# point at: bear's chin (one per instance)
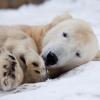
(56, 72)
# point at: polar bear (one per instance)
(19, 60)
(65, 43)
(68, 45)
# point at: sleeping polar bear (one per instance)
(64, 44)
(19, 61)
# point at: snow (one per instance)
(83, 82)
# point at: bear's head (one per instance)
(68, 45)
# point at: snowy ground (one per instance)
(83, 83)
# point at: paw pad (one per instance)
(38, 72)
(35, 64)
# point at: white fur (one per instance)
(80, 38)
(15, 43)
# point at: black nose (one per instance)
(50, 59)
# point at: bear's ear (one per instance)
(97, 57)
(61, 18)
